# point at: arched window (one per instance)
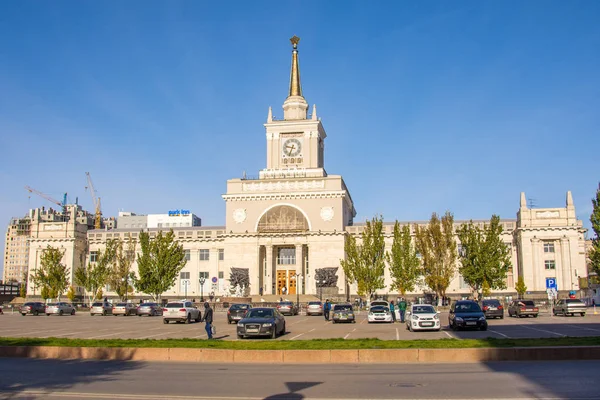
(283, 219)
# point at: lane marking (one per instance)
(499, 333)
(543, 330)
(397, 334)
(346, 337)
(311, 330)
(449, 335)
(297, 322)
(586, 329)
(297, 336)
(158, 334)
(109, 334)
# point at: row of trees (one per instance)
(159, 261)
(432, 258)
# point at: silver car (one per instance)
(124, 309)
(314, 308)
(149, 309)
(60, 308)
(100, 308)
(569, 307)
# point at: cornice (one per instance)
(285, 196)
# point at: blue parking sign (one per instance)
(551, 283)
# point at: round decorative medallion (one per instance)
(327, 213)
(239, 215)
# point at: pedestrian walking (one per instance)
(402, 309)
(208, 319)
(326, 309)
(260, 291)
(393, 311)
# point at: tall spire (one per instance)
(295, 106)
(295, 87)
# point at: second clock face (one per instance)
(291, 147)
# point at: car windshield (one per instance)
(379, 303)
(527, 303)
(29, 304)
(121, 305)
(467, 308)
(147, 305)
(174, 305)
(491, 303)
(423, 310)
(51, 304)
(97, 305)
(240, 307)
(571, 301)
(342, 307)
(259, 314)
(286, 303)
(314, 303)
(379, 309)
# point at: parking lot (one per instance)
(298, 327)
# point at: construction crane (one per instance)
(62, 204)
(96, 201)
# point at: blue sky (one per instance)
(428, 106)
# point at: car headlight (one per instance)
(458, 319)
(436, 316)
(336, 315)
(482, 318)
(415, 317)
(240, 324)
(267, 324)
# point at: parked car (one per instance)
(261, 322)
(379, 314)
(523, 308)
(375, 303)
(343, 313)
(314, 308)
(32, 307)
(124, 309)
(568, 307)
(181, 311)
(422, 317)
(60, 308)
(466, 314)
(237, 311)
(149, 309)
(287, 307)
(492, 308)
(100, 308)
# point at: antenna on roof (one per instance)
(532, 203)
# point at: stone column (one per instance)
(269, 268)
(535, 261)
(299, 268)
(565, 264)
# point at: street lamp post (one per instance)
(202, 280)
(320, 288)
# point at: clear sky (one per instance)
(429, 106)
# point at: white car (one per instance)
(379, 314)
(420, 317)
(183, 311)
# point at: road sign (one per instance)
(214, 279)
(551, 283)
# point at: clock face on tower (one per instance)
(291, 148)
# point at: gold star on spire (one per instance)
(295, 40)
(295, 88)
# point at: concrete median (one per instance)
(366, 356)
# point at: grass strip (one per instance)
(315, 344)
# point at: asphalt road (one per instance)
(54, 379)
(298, 327)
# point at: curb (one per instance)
(362, 356)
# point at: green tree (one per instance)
(95, 275)
(52, 274)
(594, 253)
(45, 292)
(120, 275)
(159, 263)
(437, 246)
(520, 287)
(365, 262)
(404, 264)
(71, 294)
(23, 287)
(484, 257)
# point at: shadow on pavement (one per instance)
(21, 375)
(293, 387)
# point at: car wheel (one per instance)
(502, 317)
(274, 333)
(36, 313)
(407, 327)
(240, 336)
(73, 312)
(333, 321)
(165, 321)
(198, 318)
(283, 330)
(60, 312)
(104, 313)
(583, 314)
(483, 328)
(23, 314)
(188, 319)
(535, 316)
(48, 315)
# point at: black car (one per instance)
(492, 308)
(261, 322)
(237, 311)
(466, 314)
(33, 307)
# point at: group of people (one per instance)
(401, 306)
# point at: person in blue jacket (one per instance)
(326, 309)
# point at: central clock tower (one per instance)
(297, 141)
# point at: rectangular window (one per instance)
(204, 255)
(221, 254)
(187, 255)
(548, 247)
(93, 256)
(462, 284)
(221, 274)
(550, 264)
(203, 274)
(286, 255)
(184, 275)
